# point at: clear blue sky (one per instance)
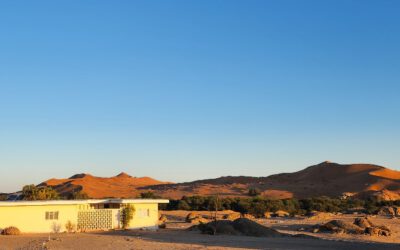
(184, 90)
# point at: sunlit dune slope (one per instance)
(122, 185)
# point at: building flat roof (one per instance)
(79, 202)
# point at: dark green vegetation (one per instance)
(148, 195)
(127, 215)
(3, 197)
(257, 206)
(32, 193)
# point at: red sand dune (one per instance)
(324, 179)
(121, 186)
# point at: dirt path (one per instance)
(175, 239)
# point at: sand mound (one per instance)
(241, 226)
(219, 227)
(251, 228)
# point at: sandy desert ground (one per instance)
(175, 236)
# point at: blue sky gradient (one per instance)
(183, 90)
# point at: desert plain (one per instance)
(177, 235)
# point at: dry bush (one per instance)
(11, 231)
(162, 221)
(163, 218)
(70, 227)
(56, 227)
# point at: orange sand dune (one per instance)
(121, 186)
(387, 173)
(324, 179)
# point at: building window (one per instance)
(52, 215)
(142, 213)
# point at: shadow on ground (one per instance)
(286, 242)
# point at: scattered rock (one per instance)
(363, 222)
(397, 211)
(359, 226)
(281, 213)
(377, 231)
(195, 218)
(231, 216)
(249, 216)
(389, 211)
(340, 226)
(268, 215)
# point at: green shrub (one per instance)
(3, 197)
(257, 206)
(183, 205)
(254, 192)
(127, 213)
(148, 195)
(80, 195)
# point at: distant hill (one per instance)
(119, 186)
(324, 179)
